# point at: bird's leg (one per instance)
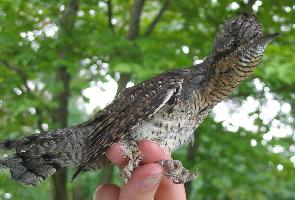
(132, 152)
(174, 170)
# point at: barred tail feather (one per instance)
(38, 156)
(28, 169)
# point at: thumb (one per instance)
(143, 184)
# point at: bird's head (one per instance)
(239, 31)
(241, 38)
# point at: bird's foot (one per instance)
(132, 152)
(174, 170)
(126, 174)
(127, 171)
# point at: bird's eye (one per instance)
(224, 44)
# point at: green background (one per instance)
(50, 51)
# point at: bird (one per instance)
(165, 109)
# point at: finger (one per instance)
(143, 183)
(115, 155)
(152, 152)
(167, 190)
(106, 192)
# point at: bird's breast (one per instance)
(170, 127)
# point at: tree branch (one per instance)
(110, 15)
(39, 119)
(191, 156)
(19, 72)
(153, 24)
(247, 7)
(24, 79)
(68, 18)
(135, 19)
(60, 117)
(124, 79)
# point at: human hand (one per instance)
(147, 181)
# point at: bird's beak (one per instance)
(264, 40)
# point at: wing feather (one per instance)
(132, 106)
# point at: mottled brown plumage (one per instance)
(165, 109)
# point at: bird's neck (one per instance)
(220, 77)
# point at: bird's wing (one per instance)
(132, 106)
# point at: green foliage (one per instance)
(230, 168)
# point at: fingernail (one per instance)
(95, 192)
(150, 182)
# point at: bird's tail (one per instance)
(38, 156)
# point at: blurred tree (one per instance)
(60, 117)
(51, 51)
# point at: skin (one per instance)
(147, 181)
